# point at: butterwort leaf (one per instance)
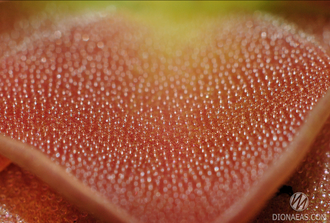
(310, 178)
(137, 122)
(24, 198)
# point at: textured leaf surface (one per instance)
(311, 178)
(24, 198)
(169, 127)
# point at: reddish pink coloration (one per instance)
(4, 162)
(23, 197)
(181, 135)
(311, 178)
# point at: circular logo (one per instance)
(299, 201)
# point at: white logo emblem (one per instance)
(299, 201)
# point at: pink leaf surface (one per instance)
(135, 124)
